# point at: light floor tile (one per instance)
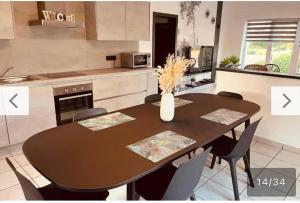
(214, 191)
(201, 182)
(209, 173)
(240, 167)
(118, 193)
(12, 193)
(288, 156)
(224, 178)
(31, 171)
(180, 160)
(9, 179)
(21, 159)
(15, 149)
(5, 167)
(259, 159)
(41, 181)
(265, 149)
(276, 163)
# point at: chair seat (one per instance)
(51, 192)
(154, 185)
(221, 146)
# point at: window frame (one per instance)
(292, 70)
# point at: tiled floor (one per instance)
(215, 184)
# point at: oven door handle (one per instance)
(76, 96)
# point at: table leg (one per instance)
(131, 191)
(247, 123)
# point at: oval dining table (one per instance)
(77, 159)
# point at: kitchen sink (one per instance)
(16, 79)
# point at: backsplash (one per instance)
(45, 50)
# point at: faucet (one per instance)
(6, 71)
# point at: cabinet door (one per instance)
(3, 132)
(41, 115)
(110, 20)
(117, 103)
(6, 21)
(119, 85)
(137, 20)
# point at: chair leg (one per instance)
(189, 155)
(220, 160)
(232, 164)
(213, 161)
(233, 134)
(248, 157)
(193, 197)
(247, 167)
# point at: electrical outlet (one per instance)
(111, 58)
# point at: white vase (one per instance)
(167, 107)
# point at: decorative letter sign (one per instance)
(51, 15)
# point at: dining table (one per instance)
(76, 158)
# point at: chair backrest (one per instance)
(88, 113)
(186, 178)
(256, 67)
(29, 190)
(244, 142)
(230, 94)
(152, 98)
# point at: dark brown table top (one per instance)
(75, 158)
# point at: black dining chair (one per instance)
(235, 96)
(51, 192)
(88, 113)
(232, 150)
(152, 98)
(172, 183)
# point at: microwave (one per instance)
(135, 60)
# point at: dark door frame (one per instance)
(157, 14)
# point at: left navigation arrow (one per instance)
(11, 100)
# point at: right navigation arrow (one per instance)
(288, 101)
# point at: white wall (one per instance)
(284, 129)
(204, 29)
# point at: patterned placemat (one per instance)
(224, 116)
(178, 102)
(105, 121)
(161, 145)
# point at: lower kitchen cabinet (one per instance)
(41, 115)
(105, 88)
(122, 102)
(3, 132)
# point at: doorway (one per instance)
(163, 37)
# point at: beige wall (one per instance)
(284, 129)
(43, 50)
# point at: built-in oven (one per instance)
(70, 100)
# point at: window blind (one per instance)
(272, 30)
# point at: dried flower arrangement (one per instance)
(169, 75)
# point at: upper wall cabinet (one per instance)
(137, 20)
(6, 21)
(117, 20)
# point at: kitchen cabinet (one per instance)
(122, 102)
(6, 21)
(105, 20)
(137, 20)
(119, 85)
(117, 20)
(3, 132)
(41, 115)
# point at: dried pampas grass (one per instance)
(173, 70)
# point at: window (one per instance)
(272, 43)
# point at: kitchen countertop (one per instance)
(76, 76)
